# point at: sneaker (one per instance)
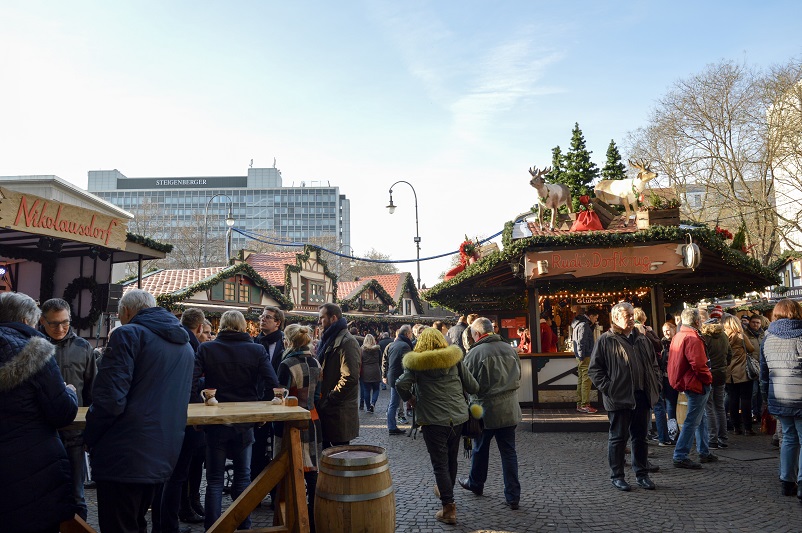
(590, 410)
(713, 445)
(581, 409)
(687, 463)
(370, 409)
(396, 431)
(403, 420)
(709, 458)
(722, 444)
(667, 443)
(362, 407)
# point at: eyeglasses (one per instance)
(62, 324)
(267, 317)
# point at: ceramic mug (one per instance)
(208, 396)
(279, 395)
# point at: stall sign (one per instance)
(645, 260)
(513, 323)
(37, 215)
(594, 300)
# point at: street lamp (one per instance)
(229, 223)
(391, 208)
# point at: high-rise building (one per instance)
(259, 201)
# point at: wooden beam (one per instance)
(75, 525)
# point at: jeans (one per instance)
(695, 425)
(368, 392)
(505, 440)
(790, 449)
(583, 382)
(626, 423)
(660, 419)
(219, 444)
(740, 397)
(757, 400)
(671, 395)
(442, 443)
(716, 415)
(76, 456)
(392, 409)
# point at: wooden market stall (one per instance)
(51, 248)
(655, 268)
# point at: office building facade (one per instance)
(260, 203)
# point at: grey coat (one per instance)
(496, 367)
(339, 403)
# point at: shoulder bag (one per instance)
(752, 367)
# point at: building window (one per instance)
(312, 292)
(230, 293)
(408, 308)
(244, 293)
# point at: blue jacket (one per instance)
(34, 403)
(135, 425)
(781, 367)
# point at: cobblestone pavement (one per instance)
(566, 487)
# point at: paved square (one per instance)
(566, 487)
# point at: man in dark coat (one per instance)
(338, 353)
(34, 402)
(392, 370)
(77, 364)
(624, 369)
(455, 332)
(582, 341)
(135, 425)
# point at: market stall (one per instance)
(50, 248)
(657, 268)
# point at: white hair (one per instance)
(136, 300)
(621, 306)
(19, 307)
(482, 325)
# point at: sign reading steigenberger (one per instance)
(642, 260)
(33, 214)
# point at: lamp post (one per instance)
(229, 223)
(391, 208)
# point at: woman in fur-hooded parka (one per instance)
(437, 379)
(34, 403)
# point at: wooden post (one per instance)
(534, 315)
(658, 309)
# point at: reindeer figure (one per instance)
(625, 192)
(550, 195)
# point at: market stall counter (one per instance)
(286, 470)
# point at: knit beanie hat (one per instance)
(430, 339)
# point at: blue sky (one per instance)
(458, 98)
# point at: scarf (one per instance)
(269, 339)
(328, 337)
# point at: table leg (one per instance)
(75, 525)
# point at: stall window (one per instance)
(244, 293)
(230, 292)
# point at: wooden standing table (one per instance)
(287, 468)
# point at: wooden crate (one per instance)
(657, 217)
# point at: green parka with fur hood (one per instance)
(439, 377)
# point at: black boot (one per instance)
(789, 488)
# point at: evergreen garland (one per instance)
(353, 302)
(150, 243)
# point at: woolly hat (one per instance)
(716, 313)
(430, 339)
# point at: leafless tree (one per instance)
(719, 138)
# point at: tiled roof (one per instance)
(392, 283)
(168, 281)
(272, 265)
(349, 289)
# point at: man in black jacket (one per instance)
(393, 370)
(77, 364)
(582, 340)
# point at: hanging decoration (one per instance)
(72, 291)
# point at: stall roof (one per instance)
(19, 245)
(491, 284)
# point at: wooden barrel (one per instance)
(682, 408)
(354, 491)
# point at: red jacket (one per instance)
(687, 362)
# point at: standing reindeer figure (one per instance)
(625, 192)
(549, 195)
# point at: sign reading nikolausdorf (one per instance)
(34, 214)
(645, 260)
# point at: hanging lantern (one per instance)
(691, 255)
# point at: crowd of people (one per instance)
(143, 455)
